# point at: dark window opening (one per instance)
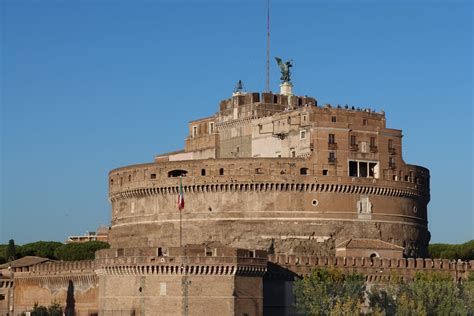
(120, 252)
(275, 99)
(203, 172)
(364, 122)
(333, 119)
(111, 181)
(406, 178)
(372, 141)
(221, 171)
(353, 140)
(325, 172)
(160, 252)
(304, 171)
(129, 178)
(390, 144)
(300, 102)
(177, 173)
(363, 169)
(331, 139)
(208, 252)
(353, 169)
(153, 176)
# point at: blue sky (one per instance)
(88, 86)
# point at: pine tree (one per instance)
(10, 252)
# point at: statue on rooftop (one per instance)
(285, 69)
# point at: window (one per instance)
(195, 131)
(258, 170)
(304, 118)
(372, 142)
(353, 140)
(325, 172)
(353, 169)
(177, 173)
(364, 122)
(333, 119)
(304, 171)
(111, 181)
(365, 169)
(293, 152)
(390, 144)
(391, 162)
(302, 134)
(129, 178)
(221, 171)
(159, 252)
(203, 172)
(331, 139)
(153, 176)
(211, 127)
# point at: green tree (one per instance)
(446, 251)
(55, 309)
(79, 251)
(328, 291)
(39, 310)
(10, 252)
(43, 249)
(427, 294)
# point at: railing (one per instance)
(332, 146)
(332, 160)
(373, 149)
(392, 151)
(354, 147)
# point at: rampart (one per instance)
(71, 282)
(244, 202)
(375, 269)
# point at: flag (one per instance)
(181, 195)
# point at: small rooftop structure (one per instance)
(361, 247)
(23, 264)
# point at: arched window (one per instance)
(177, 173)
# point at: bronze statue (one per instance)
(285, 69)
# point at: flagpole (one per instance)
(180, 215)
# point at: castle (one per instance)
(274, 185)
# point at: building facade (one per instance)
(275, 171)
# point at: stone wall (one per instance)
(257, 203)
(62, 282)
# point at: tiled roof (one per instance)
(361, 243)
(24, 262)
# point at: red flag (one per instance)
(181, 195)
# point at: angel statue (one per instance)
(285, 69)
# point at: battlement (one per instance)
(386, 267)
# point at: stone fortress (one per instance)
(274, 185)
(277, 171)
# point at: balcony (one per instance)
(373, 149)
(392, 165)
(354, 147)
(332, 160)
(392, 151)
(332, 146)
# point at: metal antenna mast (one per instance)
(267, 79)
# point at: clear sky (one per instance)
(88, 86)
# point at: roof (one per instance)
(24, 262)
(361, 243)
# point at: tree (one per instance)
(43, 249)
(446, 251)
(427, 294)
(328, 291)
(79, 251)
(39, 310)
(10, 252)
